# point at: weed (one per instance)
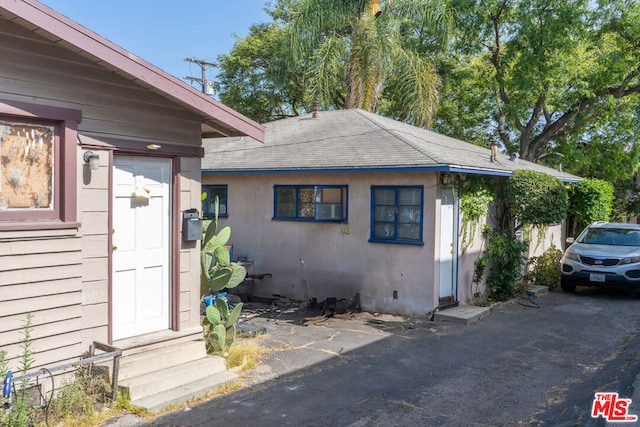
(244, 355)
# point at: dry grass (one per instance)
(244, 354)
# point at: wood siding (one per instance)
(41, 276)
(62, 276)
(37, 71)
(189, 298)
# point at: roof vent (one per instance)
(316, 113)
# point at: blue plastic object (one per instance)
(8, 380)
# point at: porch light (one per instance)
(445, 178)
(153, 147)
(92, 159)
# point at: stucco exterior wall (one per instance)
(540, 241)
(339, 260)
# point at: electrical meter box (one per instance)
(191, 225)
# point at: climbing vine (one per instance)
(476, 196)
(527, 200)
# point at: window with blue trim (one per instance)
(396, 214)
(310, 202)
(211, 191)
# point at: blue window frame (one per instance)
(211, 191)
(396, 214)
(310, 202)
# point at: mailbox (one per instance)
(191, 225)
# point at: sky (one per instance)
(165, 32)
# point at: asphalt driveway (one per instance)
(519, 366)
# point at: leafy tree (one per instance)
(539, 73)
(343, 54)
(354, 49)
(256, 78)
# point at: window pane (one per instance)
(409, 214)
(409, 231)
(328, 211)
(385, 213)
(409, 196)
(221, 192)
(286, 202)
(384, 231)
(330, 195)
(306, 197)
(384, 197)
(26, 166)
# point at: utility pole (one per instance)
(204, 66)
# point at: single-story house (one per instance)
(341, 203)
(99, 161)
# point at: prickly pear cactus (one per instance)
(218, 272)
(220, 326)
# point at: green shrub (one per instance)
(592, 200)
(535, 198)
(545, 269)
(506, 258)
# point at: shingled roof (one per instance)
(356, 141)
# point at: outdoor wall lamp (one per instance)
(445, 178)
(92, 159)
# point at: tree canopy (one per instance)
(538, 74)
(555, 82)
(343, 54)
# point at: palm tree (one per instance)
(353, 49)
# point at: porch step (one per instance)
(177, 395)
(463, 314)
(155, 359)
(158, 377)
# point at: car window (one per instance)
(611, 236)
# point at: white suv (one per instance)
(605, 254)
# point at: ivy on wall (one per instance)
(476, 195)
(527, 199)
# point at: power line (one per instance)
(208, 86)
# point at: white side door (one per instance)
(448, 243)
(141, 245)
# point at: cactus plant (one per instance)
(220, 326)
(218, 273)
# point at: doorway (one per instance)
(141, 245)
(448, 249)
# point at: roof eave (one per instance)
(61, 30)
(431, 168)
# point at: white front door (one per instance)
(448, 244)
(141, 245)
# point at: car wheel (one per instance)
(566, 285)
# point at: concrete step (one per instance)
(154, 360)
(463, 314)
(176, 376)
(181, 394)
